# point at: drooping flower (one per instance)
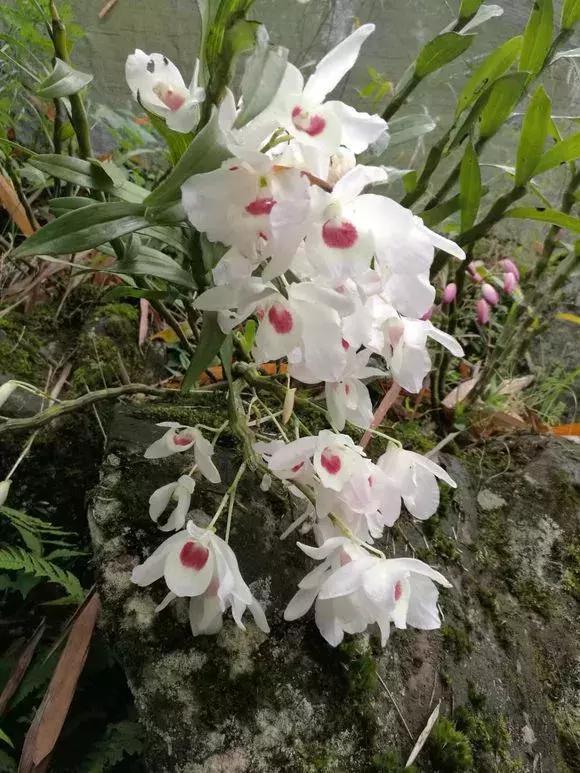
(349, 399)
(158, 85)
(510, 282)
(198, 564)
(414, 476)
(180, 437)
(180, 492)
(352, 590)
(405, 349)
(326, 126)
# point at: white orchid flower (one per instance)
(404, 347)
(251, 204)
(6, 390)
(158, 85)
(415, 477)
(349, 399)
(352, 590)
(197, 564)
(4, 490)
(301, 108)
(180, 492)
(180, 437)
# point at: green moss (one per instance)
(449, 750)
(457, 641)
(571, 575)
(19, 352)
(361, 667)
(441, 546)
(390, 762)
(530, 593)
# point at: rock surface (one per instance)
(505, 663)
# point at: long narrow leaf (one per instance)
(469, 187)
(537, 36)
(570, 14)
(560, 153)
(440, 51)
(546, 216)
(210, 341)
(84, 229)
(64, 81)
(504, 95)
(533, 136)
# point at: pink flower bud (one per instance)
(473, 272)
(449, 293)
(482, 311)
(510, 267)
(490, 294)
(509, 282)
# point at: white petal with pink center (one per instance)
(180, 437)
(158, 85)
(196, 563)
(335, 459)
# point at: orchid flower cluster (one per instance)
(337, 278)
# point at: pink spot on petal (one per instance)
(297, 466)
(182, 439)
(331, 462)
(280, 319)
(398, 592)
(260, 206)
(234, 168)
(370, 479)
(194, 556)
(344, 558)
(313, 125)
(345, 345)
(263, 235)
(340, 234)
(347, 389)
(260, 313)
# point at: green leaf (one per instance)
(468, 8)
(560, 153)
(410, 181)
(210, 342)
(492, 67)
(409, 127)
(204, 154)
(90, 174)
(63, 82)
(151, 262)
(227, 355)
(570, 14)
(17, 559)
(533, 136)
(249, 336)
(546, 216)
(5, 738)
(126, 291)
(469, 187)
(503, 97)
(440, 51)
(177, 142)
(263, 74)
(66, 204)
(435, 215)
(537, 37)
(84, 229)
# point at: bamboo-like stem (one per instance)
(568, 201)
(70, 406)
(79, 118)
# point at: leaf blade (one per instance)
(537, 37)
(210, 342)
(469, 187)
(441, 51)
(533, 136)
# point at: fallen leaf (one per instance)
(12, 204)
(49, 719)
(568, 317)
(566, 429)
(424, 735)
(513, 386)
(20, 668)
(459, 393)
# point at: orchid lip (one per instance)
(194, 556)
(313, 125)
(330, 461)
(280, 319)
(339, 234)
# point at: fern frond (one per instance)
(120, 740)
(31, 522)
(17, 559)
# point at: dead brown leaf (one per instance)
(52, 712)
(20, 668)
(12, 204)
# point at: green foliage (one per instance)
(570, 14)
(562, 152)
(502, 98)
(469, 187)
(440, 51)
(533, 136)
(210, 340)
(537, 37)
(545, 215)
(17, 559)
(493, 66)
(63, 81)
(120, 740)
(469, 8)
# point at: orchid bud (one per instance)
(6, 390)
(449, 293)
(341, 162)
(4, 489)
(509, 266)
(288, 407)
(482, 311)
(509, 282)
(490, 294)
(473, 272)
